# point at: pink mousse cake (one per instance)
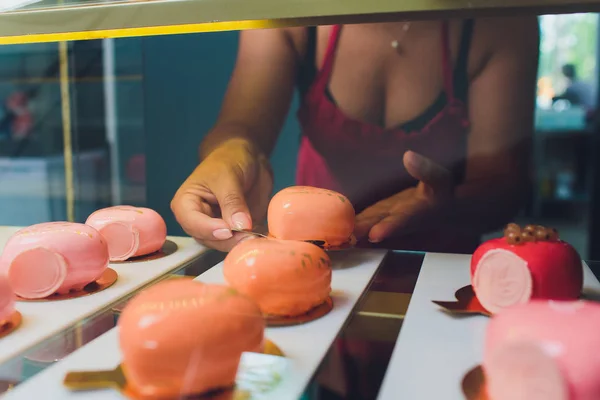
(53, 257)
(7, 300)
(544, 350)
(130, 231)
(528, 263)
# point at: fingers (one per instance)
(363, 224)
(402, 212)
(195, 217)
(371, 216)
(436, 177)
(388, 225)
(226, 245)
(230, 196)
(194, 206)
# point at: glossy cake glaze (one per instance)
(308, 213)
(130, 231)
(528, 263)
(285, 278)
(544, 350)
(7, 300)
(53, 257)
(183, 337)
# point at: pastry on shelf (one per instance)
(527, 263)
(313, 214)
(7, 300)
(181, 338)
(130, 231)
(543, 350)
(286, 278)
(53, 257)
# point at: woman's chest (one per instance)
(388, 74)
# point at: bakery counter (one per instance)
(52, 328)
(384, 339)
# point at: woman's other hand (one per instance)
(408, 210)
(228, 190)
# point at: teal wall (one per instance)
(168, 93)
(185, 78)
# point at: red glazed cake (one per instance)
(525, 264)
(544, 350)
(285, 278)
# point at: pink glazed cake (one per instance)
(7, 299)
(130, 231)
(544, 350)
(53, 257)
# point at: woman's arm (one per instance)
(259, 93)
(502, 105)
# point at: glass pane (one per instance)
(566, 104)
(125, 129)
(105, 123)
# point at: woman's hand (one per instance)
(228, 190)
(408, 210)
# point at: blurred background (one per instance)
(140, 106)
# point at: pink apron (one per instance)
(364, 161)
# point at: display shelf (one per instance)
(58, 20)
(434, 350)
(304, 345)
(42, 320)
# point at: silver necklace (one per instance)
(396, 42)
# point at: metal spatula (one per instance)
(320, 243)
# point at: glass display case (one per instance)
(104, 103)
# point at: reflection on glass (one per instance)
(566, 105)
(105, 90)
(107, 120)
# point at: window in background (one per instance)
(569, 39)
(566, 103)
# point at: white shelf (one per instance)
(435, 350)
(42, 320)
(304, 345)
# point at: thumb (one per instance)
(434, 176)
(231, 199)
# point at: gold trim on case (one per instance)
(63, 55)
(47, 22)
